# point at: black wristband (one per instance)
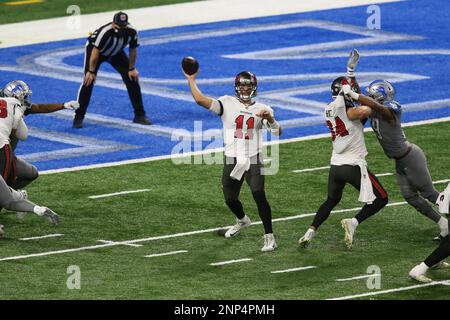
(91, 71)
(131, 69)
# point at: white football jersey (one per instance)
(349, 146)
(7, 120)
(242, 129)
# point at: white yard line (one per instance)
(311, 169)
(49, 253)
(229, 262)
(117, 193)
(176, 235)
(120, 243)
(374, 293)
(73, 27)
(441, 181)
(294, 269)
(190, 154)
(43, 237)
(165, 254)
(358, 277)
(384, 174)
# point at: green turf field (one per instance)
(58, 8)
(184, 198)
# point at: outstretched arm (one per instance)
(52, 107)
(199, 98)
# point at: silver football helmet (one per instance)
(19, 90)
(381, 90)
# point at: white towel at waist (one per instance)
(242, 165)
(366, 192)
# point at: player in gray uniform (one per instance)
(412, 172)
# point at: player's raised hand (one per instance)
(190, 76)
(352, 62)
(347, 90)
(72, 105)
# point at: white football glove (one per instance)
(71, 105)
(347, 90)
(352, 62)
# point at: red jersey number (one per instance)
(3, 109)
(341, 130)
(239, 124)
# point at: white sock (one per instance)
(39, 210)
(443, 225)
(422, 268)
(355, 222)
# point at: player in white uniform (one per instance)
(348, 164)
(11, 121)
(243, 121)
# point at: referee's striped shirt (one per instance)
(110, 42)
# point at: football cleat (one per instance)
(349, 228)
(417, 274)
(307, 237)
(240, 224)
(22, 214)
(2, 230)
(443, 200)
(51, 216)
(269, 243)
(421, 278)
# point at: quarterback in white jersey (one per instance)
(242, 126)
(243, 121)
(348, 164)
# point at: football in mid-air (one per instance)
(190, 65)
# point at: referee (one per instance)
(107, 44)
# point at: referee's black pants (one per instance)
(121, 63)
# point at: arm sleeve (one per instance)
(134, 43)
(216, 107)
(18, 114)
(22, 130)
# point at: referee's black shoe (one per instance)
(142, 120)
(77, 123)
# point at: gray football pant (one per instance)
(11, 199)
(26, 173)
(416, 184)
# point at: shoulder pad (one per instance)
(394, 105)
